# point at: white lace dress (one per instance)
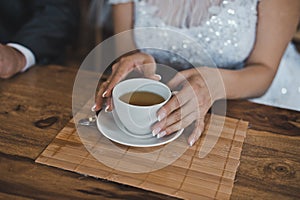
(225, 29)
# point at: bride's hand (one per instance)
(200, 89)
(141, 62)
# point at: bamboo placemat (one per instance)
(189, 177)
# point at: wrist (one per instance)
(21, 60)
(214, 80)
(27, 55)
(231, 84)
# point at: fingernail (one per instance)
(104, 93)
(161, 116)
(93, 108)
(161, 134)
(157, 76)
(106, 109)
(192, 142)
(156, 131)
(174, 92)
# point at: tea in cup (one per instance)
(136, 102)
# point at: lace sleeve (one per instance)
(119, 1)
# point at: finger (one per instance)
(1, 66)
(99, 97)
(156, 77)
(185, 122)
(148, 68)
(5, 76)
(109, 105)
(180, 78)
(120, 71)
(199, 127)
(174, 117)
(146, 65)
(127, 64)
(179, 99)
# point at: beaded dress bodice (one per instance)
(225, 29)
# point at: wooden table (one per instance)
(36, 105)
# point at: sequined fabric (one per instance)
(221, 31)
(226, 32)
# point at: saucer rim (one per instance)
(173, 136)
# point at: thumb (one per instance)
(155, 77)
(149, 70)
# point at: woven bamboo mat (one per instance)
(190, 176)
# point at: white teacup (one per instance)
(138, 119)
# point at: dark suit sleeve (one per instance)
(52, 26)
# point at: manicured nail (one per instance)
(157, 76)
(106, 109)
(104, 93)
(156, 131)
(161, 134)
(192, 142)
(93, 108)
(161, 116)
(174, 92)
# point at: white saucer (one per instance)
(108, 127)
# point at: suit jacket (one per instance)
(43, 26)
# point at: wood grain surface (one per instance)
(36, 105)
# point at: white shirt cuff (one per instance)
(29, 56)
